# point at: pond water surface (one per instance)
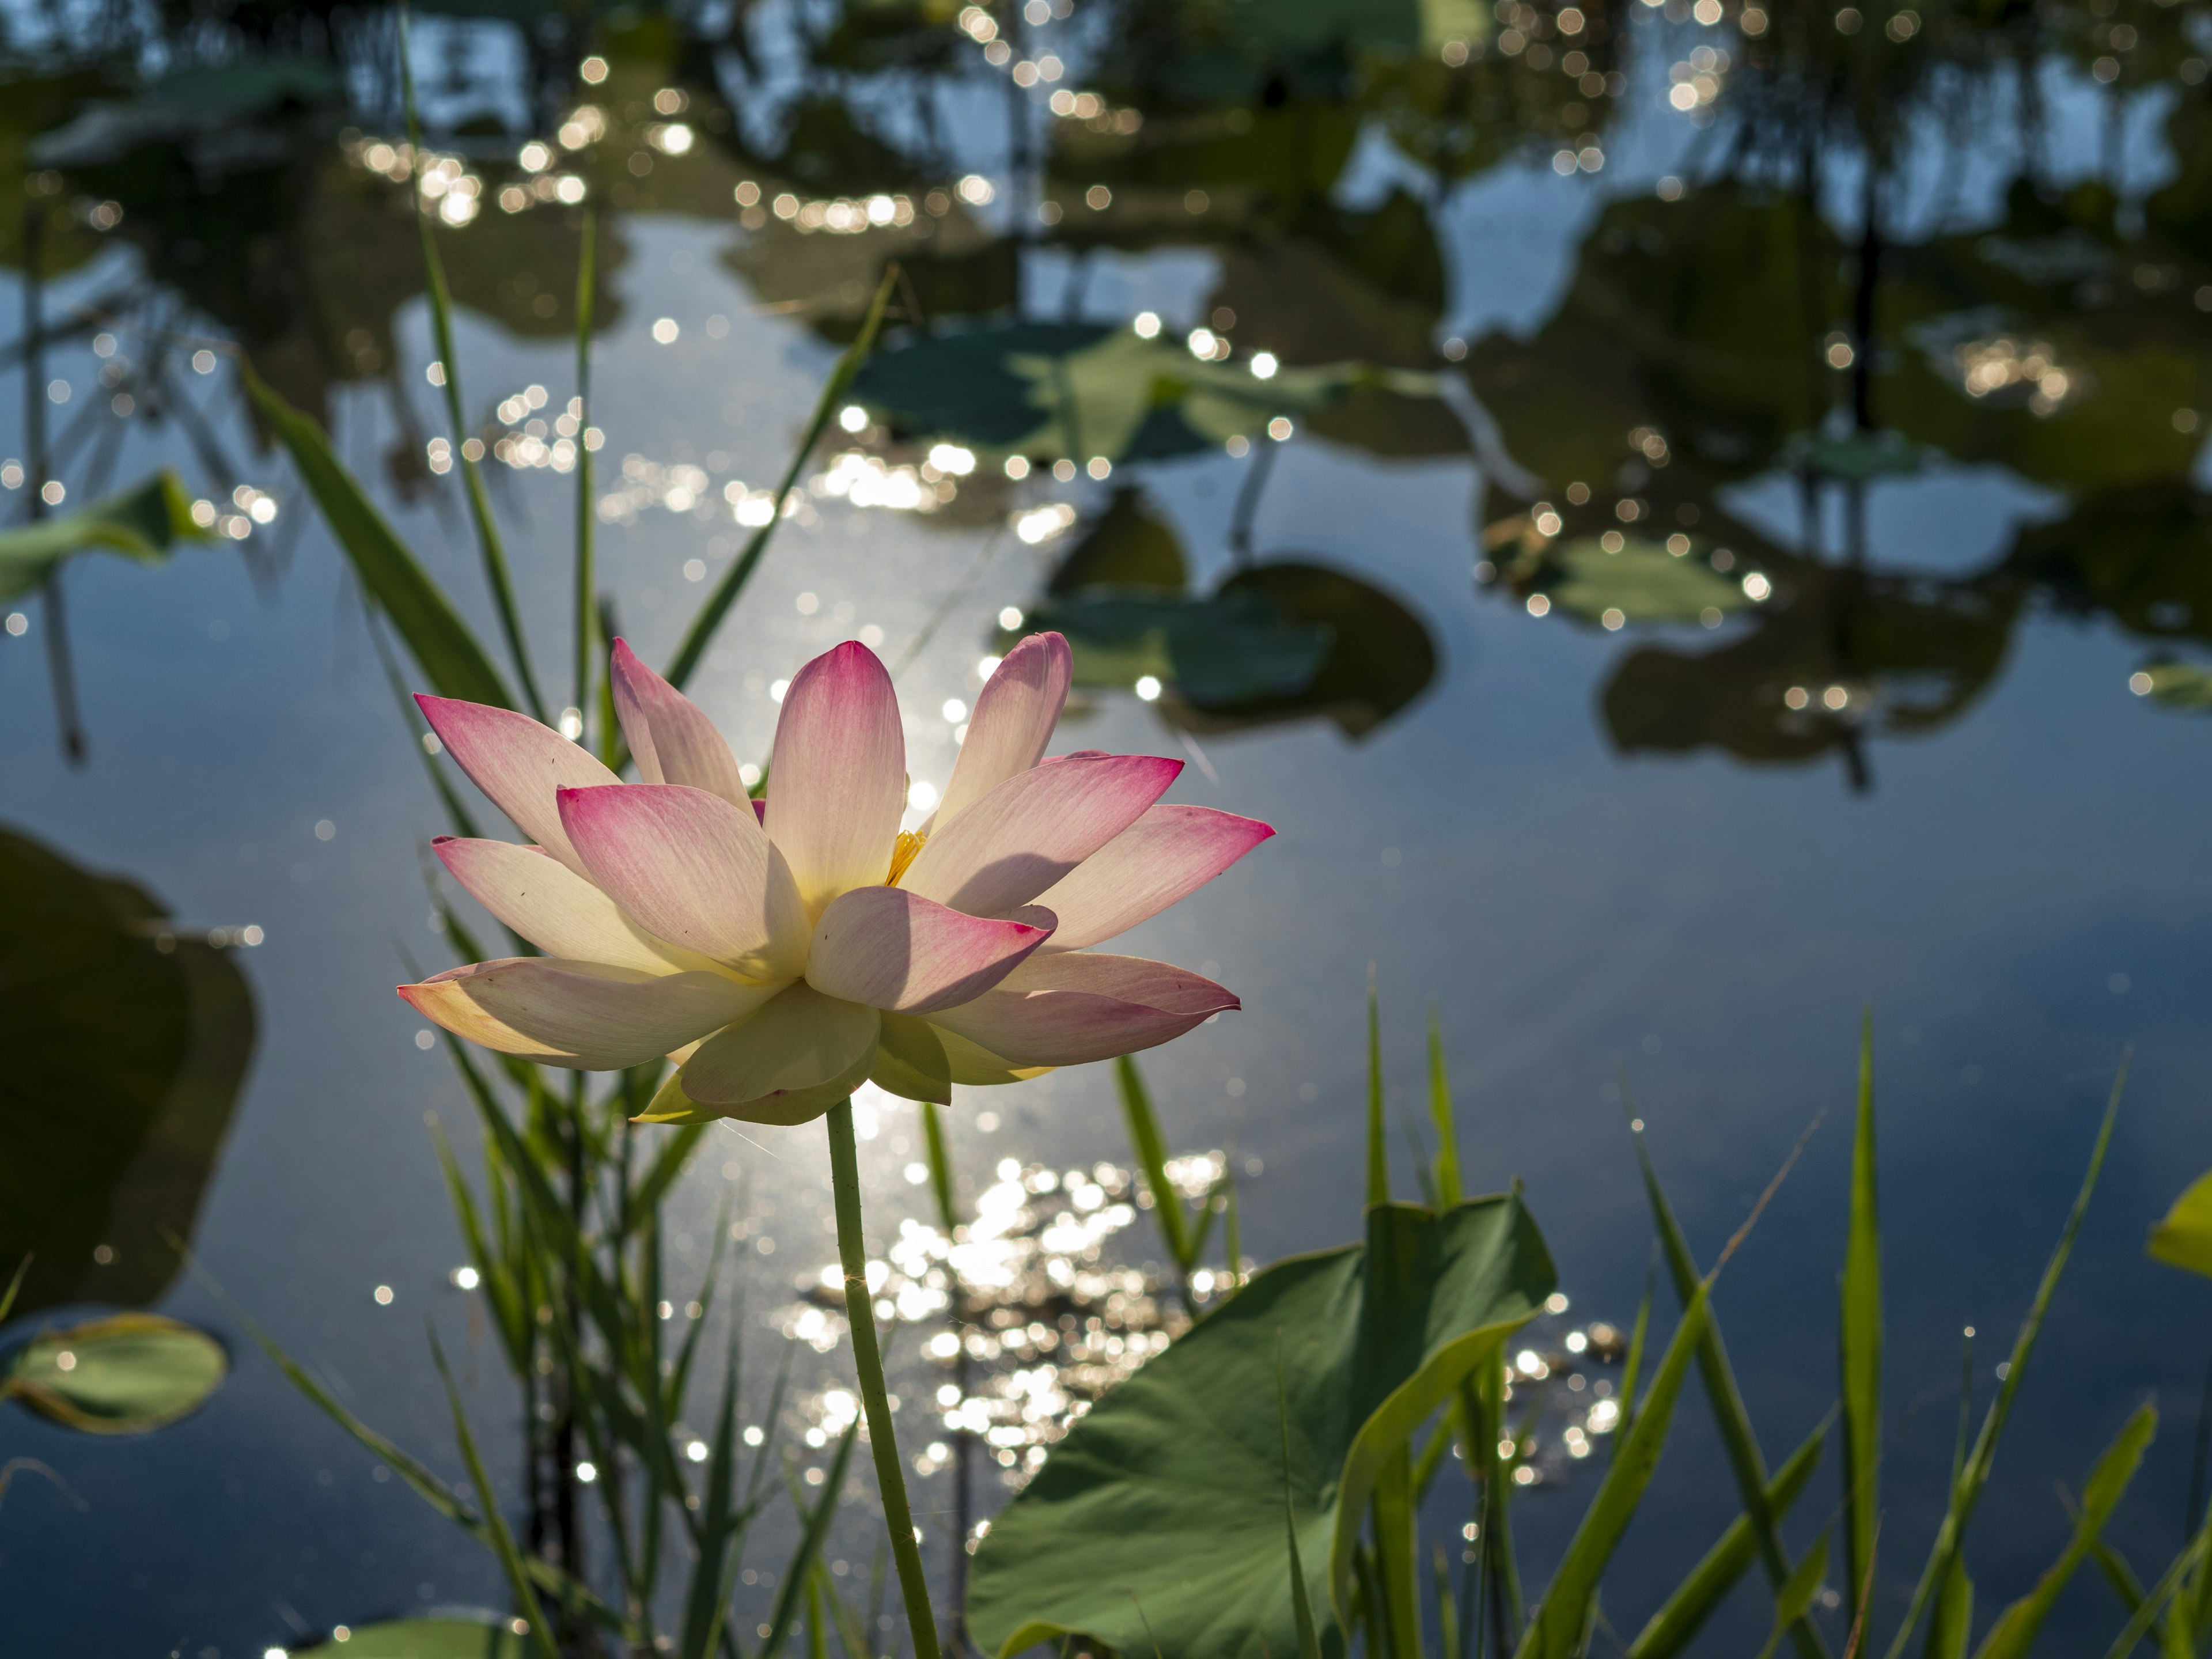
(1661, 616)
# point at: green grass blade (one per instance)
(502, 1541)
(1378, 1147)
(852, 1634)
(700, 634)
(1151, 1149)
(708, 1602)
(1447, 1606)
(2114, 1568)
(1638, 1335)
(1729, 1414)
(441, 644)
(940, 1167)
(1424, 1174)
(1557, 1629)
(491, 548)
(1426, 1467)
(1449, 1190)
(509, 1316)
(587, 256)
(427, 1485)
(667, 1165)
(1684, 1612)
(2154, 1601)
(793, 1583)
(1397, 1562)
(1501, 1567)
(1795, 1597)
(1966, 1490)
(1861, 1342)
(1232, 1236)
(1953, 1626)
(2015, 1629)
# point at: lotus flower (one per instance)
(782, 951)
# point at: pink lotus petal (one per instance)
(585, 1015)
(891, 949)
(689, 867)
(1013, 722)
(837, 780)
(784, 1058)
(518, 763)
(673, 741)
(1165, 855)
(541, 898)
(1069, 1010)
(1033, 829)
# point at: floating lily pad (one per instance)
(1118, 1539)
(1078, 390)
(125, 1044)
(423, 1638)
(1215, 650)
(143, 523)
(125, 1374)
(1643, 581)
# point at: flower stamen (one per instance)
(902, 854)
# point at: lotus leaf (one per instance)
(127, 1041)
(1642, 581)
(1160, 1520)
(125, 1374)
(143, 523)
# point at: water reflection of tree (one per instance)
(1714, 335)
(1730, 334)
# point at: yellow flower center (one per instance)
(902, 854)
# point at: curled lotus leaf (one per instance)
(1159, 1519)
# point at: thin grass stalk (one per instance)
(1151, 1149)
(697, 637)
(1670, 1630)
(2154, 1601)
(1730, 1416)
(1494, 1525)
(940, 1167)
(1966, 1490)
(868, 1362)
(492, 550)
(1860, 1345)
(502, 1541)
(585, 611)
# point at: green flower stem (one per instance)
(868, 1360)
